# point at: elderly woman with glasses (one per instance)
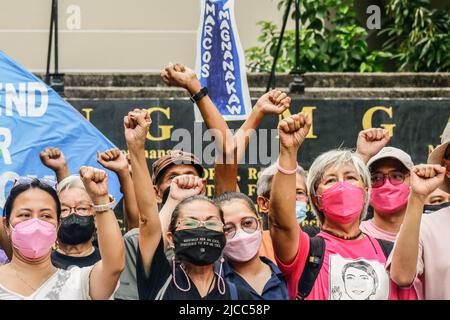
(195, 232)
(77, 226)
(244, 233)
(339, 187)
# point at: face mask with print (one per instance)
(343, 202)
(389, 198)
(430, 208)
(199, 246)
(76, 229)
(33, 238)
(243, 246)
(300, 211)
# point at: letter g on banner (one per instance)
(220, 63)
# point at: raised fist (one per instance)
(185, 186)
(292, 131)
(177, 75)
(371, 141)
(425, 178)
(96, 183)
(136, 124)
(114, 160)
(53, 158)
(274, 102)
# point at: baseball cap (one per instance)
(175, 157)
(394, 153)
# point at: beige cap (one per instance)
(394, 153)
(175, 157)
(438, 153)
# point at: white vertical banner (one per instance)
(220, 63)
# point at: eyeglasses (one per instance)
(395, 178)
(28, 180)
(191, 223)
(248, 224)
(82, 210)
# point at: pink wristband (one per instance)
(284, 171)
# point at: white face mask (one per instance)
(300, 211)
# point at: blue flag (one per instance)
(220, 62)
(33, 117)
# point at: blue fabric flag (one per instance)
(220, 62)
(33, 117)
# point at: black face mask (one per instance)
(430, 208)
(199, 246)
(164, 198)
(76, 229)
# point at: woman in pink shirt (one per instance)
(340, 263)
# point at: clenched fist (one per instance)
(185, 186)
(136, 125)
(274, 102)
(370, 142)
(425, 178)
(114, 160)
(177, 75)
(96, 183)
(292, 131)
(53, 158)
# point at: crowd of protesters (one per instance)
(364, 224)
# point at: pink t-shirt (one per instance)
(351, 270)
(433, 263)
(368, 227)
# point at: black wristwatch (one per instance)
(199, 95)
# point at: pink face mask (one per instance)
(389, 198)
(33, 238)
(343, 202)
(243, 246)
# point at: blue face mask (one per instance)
(300, 211)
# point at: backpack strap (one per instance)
(386, 246)
(312, 266)
(163, 290)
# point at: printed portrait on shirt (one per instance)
(358, 279)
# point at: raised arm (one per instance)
(106, 273)
(136, 126)
(114, 160)
(181, 187)
(284, 229)
(370, 142)
(54, 159)
(424, 180)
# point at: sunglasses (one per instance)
(28, 180)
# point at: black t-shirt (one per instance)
(160, 271)
(63, 261)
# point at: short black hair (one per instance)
(21, 188)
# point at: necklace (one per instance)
(342, 237)
(26, 282)
(210, 285)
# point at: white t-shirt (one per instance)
(70, 284)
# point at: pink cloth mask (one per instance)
(343, 202)
(33, 238)
(243, 246)
(389, 198)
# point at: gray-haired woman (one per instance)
(339, 188)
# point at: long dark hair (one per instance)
(21, 188)
(176, 211)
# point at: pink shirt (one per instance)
(351, 270)
(433, 263)
(368, 227)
